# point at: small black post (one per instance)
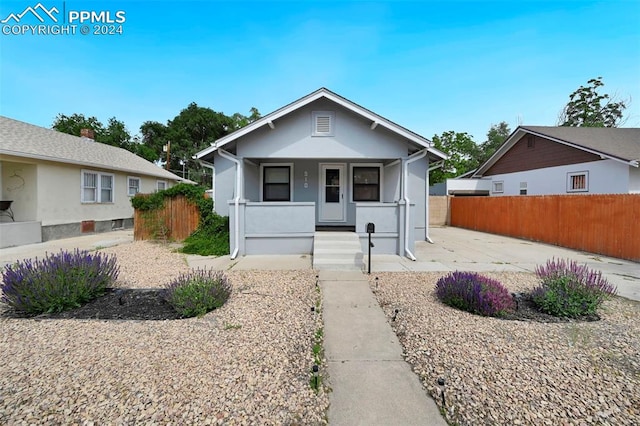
(371, 228)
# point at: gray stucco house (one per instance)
(321, 162)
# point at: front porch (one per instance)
(290, 227)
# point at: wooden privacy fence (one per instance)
(604, 224)
(176, 220)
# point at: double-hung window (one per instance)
(134, 185)
(96, 187)
(366, 183)
(276, 183)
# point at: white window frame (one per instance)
(356, 165)
(133, 178)
(291, 182)
(314, 120)
(497, 187)
(98, 188)
(158, 182)
(570, 177)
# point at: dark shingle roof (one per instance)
(621, 143)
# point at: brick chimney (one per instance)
(87, 133)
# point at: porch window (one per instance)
(96, 187)
(578, 182)
(276, 183)
(134, 185)
(366, 183)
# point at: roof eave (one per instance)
(85, 164)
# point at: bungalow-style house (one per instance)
(56, 185)
(540, 160)
(321, 162)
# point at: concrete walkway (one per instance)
(371, 384)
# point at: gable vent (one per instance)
(323, 123)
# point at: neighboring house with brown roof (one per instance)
(541, 160)
(61, 185)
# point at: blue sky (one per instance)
(431, 66)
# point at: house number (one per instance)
(306, 179)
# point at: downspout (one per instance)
(213, 178)
(236, 201)
(405, 196)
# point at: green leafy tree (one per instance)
(115, 133)
(74, 123)
(463, 155)
(497, 134)
(192, 130)
(588, 108)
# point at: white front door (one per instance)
(332, 192)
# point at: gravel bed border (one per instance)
(517, 372)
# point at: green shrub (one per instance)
(58, 282)
(570, 290)
(211, 237)
(198, 292)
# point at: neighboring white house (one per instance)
(540, 160)
(321, 161)
(61, 185)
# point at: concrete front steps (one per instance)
(337, 251)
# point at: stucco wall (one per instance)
(605, 177)
(225, 184)
(291, 138)
(634, 180)
(20, 184)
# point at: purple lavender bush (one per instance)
(58, 282)
(475, 293)
(198, 292)
(570, 290)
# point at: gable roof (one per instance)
(615, 143)
(25, 140)
(268, 119)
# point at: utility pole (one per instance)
(167, 148)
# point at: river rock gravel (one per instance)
(248, 362)
(504, 372)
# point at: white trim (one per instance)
(380, 183)
(291, 183)
(321, 190)
(98, 187)
(129, 186)
(570, 175)
(494, 187)
(158, 182)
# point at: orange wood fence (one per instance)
(176, 220)
(603, 224)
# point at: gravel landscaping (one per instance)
(501, 371)
(248, 362)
